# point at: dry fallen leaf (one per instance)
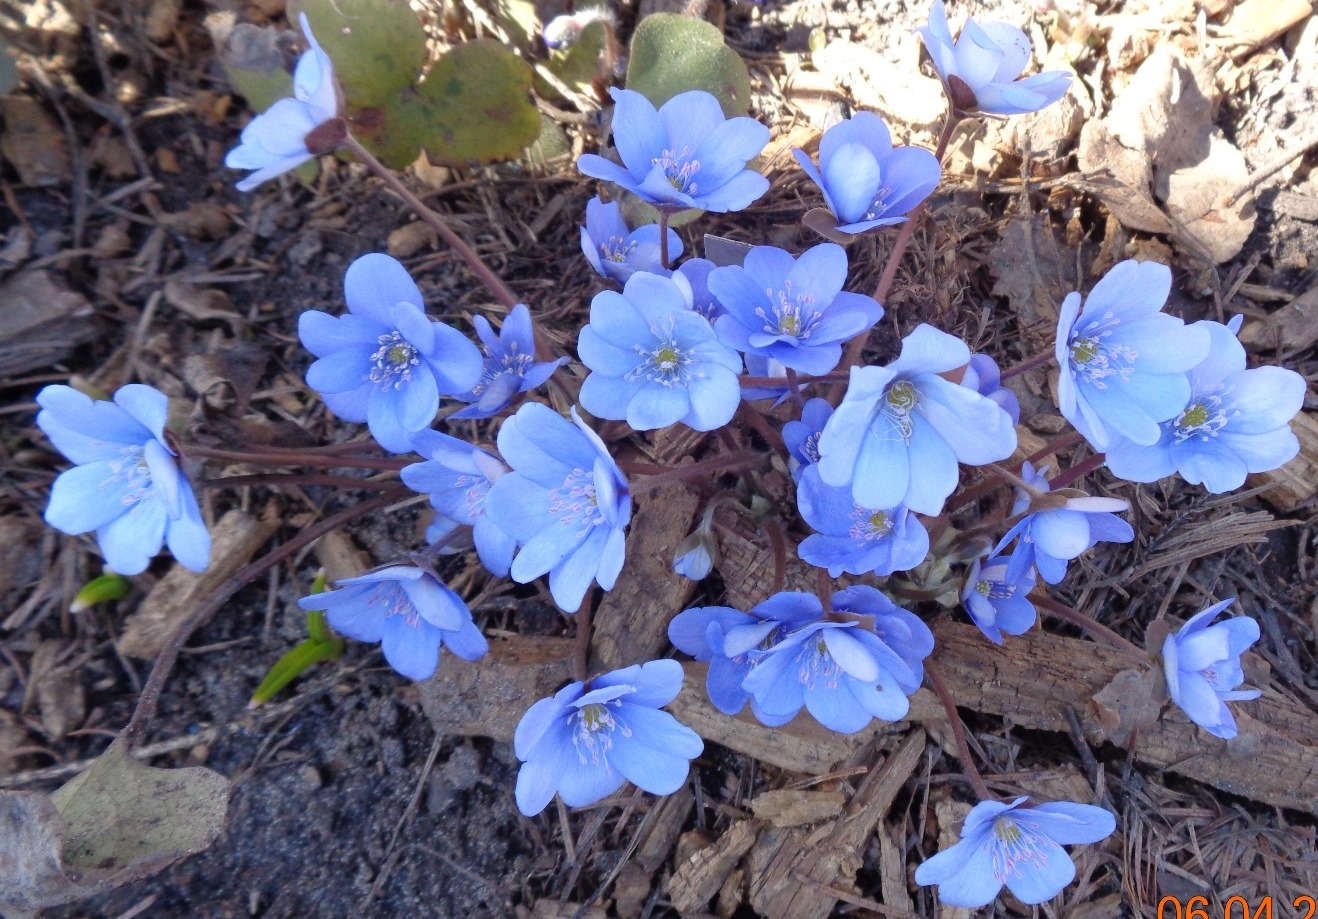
(34, 142)
(41, 322)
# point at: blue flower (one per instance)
(694, 273)
(1068, 525)
(277, 141)
(854, 539)
(980, 68)
(997, 604)
(126, 485)
(1017, 845)
(728, 638)
(900, 629)
(984, 377)
(584, 743)
(791, 310)
(1235, 422)
(566, 503)
(509, 367)
(1124, 363)
(685, 155)
(900, 430)
(866, 183)
(696, 555)
(457, 477)
(1202, 665)
(384, 362)
(616, 252)
(408, 611)
(655, 361)
(843, 674)
(802, 437)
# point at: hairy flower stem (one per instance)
(935, 676)
(659, 476)
(985, 488)
(296, 458)
(581, 655)
(1078, 471)
(857, 346)
(296, 478)
(663, 239)
(1084, 623)
(801, 379)
(492, 281)
(164, 665)
(794, 385)
(1028, 364)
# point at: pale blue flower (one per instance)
(792, 310)
(509, 366)
(802, 437)
(854, 539)
(844, 675)
(126, 485)
(984, 377)
(655, 361)
(728, 638)
(980, 69)
(685, 155)
(1236, 421)
(1050, 538)
(410, 612)
(1202, 665)
(900, 430)
(566, 503)
(866, 182)
(696, 555)
(1124, 363)
(277, 141)
(584, 743)
(385, 362)
(1017, 845)
(617, 252)
(457, 476)
(997, 603)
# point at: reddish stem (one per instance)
(935, 677)
(297, 458)
(1027, 365)
(1078, 471)
(1084, 623)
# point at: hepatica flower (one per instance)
(1125, 363)
(791, 310)
(655, 361)
(408, 611)
(998, 603)
(854, 539)
(866, 182)
(384, 362)
(295, 130)
(1236, 421)
(802, 437)
(844, 675)
(126, 485)
(1062, 528)
(980, 69)
(583, 743)
(685, 155)
(509, 367)
(566, 503)
(900, 430)
(457, 476)
(730, 641)
(1202, 665)
(615, 251)
(1017, 845)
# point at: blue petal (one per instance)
(965, 874)
(375, 283)
(1067, 823)
(186, 535)
(130, 541)
(411, 648)
(87, 498)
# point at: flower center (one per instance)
(810, 449)
(1094, 360)
(575, 501)
(995, 590)
(792, 315)
(1013, 848)
(617, 249)
(879, 205)
(680, 169)
(1202, 419)
(130, 469)
(392, 362)
(510, 362)
(868, 524)
(592, 732)
(1006, 831)
(396, 603)
(898, 403)
(817, 666)
(665, 362)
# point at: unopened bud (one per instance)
(105, 589)
(696, 555)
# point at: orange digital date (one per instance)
(1197, 908)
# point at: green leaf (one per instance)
(120, 811)
(378, 46)
(672, 54)
(293, 664)
(473, 107)
(104, 589)
(521, 20)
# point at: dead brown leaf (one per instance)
(41, 322)
(34, 143)
(1129, 704)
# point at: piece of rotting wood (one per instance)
(702, 875)
(660, 837)
(793, 870)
